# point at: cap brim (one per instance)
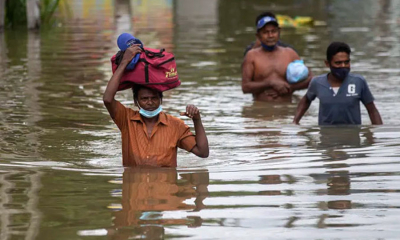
(270, 22)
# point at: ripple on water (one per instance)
(60, 153)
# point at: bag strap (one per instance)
(151, 54)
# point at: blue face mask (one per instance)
(268, 48)
(340, 73)
(150, 114)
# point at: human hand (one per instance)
(282, 87)
(131, 52)
(192, 112)
(271, 93)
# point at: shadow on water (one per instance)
(270, 112)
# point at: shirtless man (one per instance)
(264, 68)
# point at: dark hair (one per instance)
(335, 48)
(264, 14)
(136, 88)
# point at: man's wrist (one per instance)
(197, 120)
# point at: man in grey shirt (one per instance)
(339, 92)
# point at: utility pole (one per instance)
(2, 13)
(33, 14)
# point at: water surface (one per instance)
(60, 153)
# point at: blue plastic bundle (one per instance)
(296, 71)
(126, 40)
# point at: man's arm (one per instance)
(303, 84)
(112, 86)
(248, 85)
(373, 114)
(368, 100)
(303, 106)
(201, 148)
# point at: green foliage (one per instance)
(47, 9)
(16, 12)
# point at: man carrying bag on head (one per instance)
(150, 137)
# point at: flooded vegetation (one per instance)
(61, 174)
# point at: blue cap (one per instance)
(263, 21)
(126, 40)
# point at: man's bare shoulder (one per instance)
(251, 54)
(290, 52)
(257, 50)
(249, 58)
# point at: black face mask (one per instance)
(340, 73)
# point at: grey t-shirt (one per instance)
(342, 107)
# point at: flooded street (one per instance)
(61, 174)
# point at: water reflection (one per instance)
(338, 184)
(276, 180)
(3, 54)
(267, 111)
(19, 200)
(147, 193)
(265, 175)
(149, 28)
(338, 142)
(123, 16)
(339, 148)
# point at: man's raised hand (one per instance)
(131, 52)
(192, 112)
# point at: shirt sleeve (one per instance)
(120, 118)
(186, 140)
(366, 95)
(312, 90)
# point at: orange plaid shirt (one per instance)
(159, 149)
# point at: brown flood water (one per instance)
(60, 153)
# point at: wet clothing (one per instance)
(342, 107)
(250, 46)
(159, 149)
